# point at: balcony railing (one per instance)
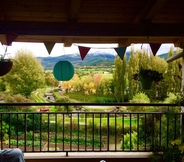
(89, 131)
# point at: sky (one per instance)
(39, 49)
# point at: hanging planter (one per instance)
(147, 77)
(63, 71)
(146, 83)
(5, 66)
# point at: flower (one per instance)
(149, 74)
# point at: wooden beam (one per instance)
(92, 29)
(179, 42)
(175, 57)
(141, 15)
(67, 42)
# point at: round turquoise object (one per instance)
(63, 71)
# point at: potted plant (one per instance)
(147, 77)
(5, 64)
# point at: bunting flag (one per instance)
(10, 37)
(120, 51)
(49, 46)
(83, 51)
(154, 47)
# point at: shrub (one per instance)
(126, 143)
(139, 98)
(65, 107)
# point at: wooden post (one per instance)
(182, 90)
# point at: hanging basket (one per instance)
(146, 83)
(5, 67)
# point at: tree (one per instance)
(119, 78)
(132, 67)
(17, 99)
(50, 80)
(26, 75)
(173, 74)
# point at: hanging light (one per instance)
(63, 71)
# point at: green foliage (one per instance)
(139, 98)
(2, 84)
(173, 98)
(141, 59)
(64, 108)
(22, 143)
(18, 98)
(32, 121)
(159, 129)
(119, 78)
(149, 74)
(91, 98)
(132, 67)
(50, 79)
(26, 75)
(179, 142)
(126, 143)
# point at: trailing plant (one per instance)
(149, 74)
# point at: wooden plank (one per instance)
(35, 2)
(35, 14)
(35, 8)
(36, 19)
(74, 9)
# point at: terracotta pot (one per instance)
(5, 67)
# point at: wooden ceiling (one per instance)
(93, 21)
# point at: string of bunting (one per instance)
(119, 50)
(10, 37)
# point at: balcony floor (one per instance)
(89, 157)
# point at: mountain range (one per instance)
(92, 59)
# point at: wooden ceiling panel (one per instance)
(90, 21)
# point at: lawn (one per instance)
(118, 120)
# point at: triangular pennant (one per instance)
(120, 51)
(49, 46)
(10, 37)
(83, 51)
(154, 47)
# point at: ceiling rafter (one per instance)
(156, 7)
(146, 14)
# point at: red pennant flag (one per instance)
(155, 47)
(10, 37)
(120, 51)
(83, 51)
(49, 46)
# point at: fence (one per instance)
(90, 131)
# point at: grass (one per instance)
(88, 98)
(104, 121)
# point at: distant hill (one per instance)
(92, 59)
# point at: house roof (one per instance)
(93, 21)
